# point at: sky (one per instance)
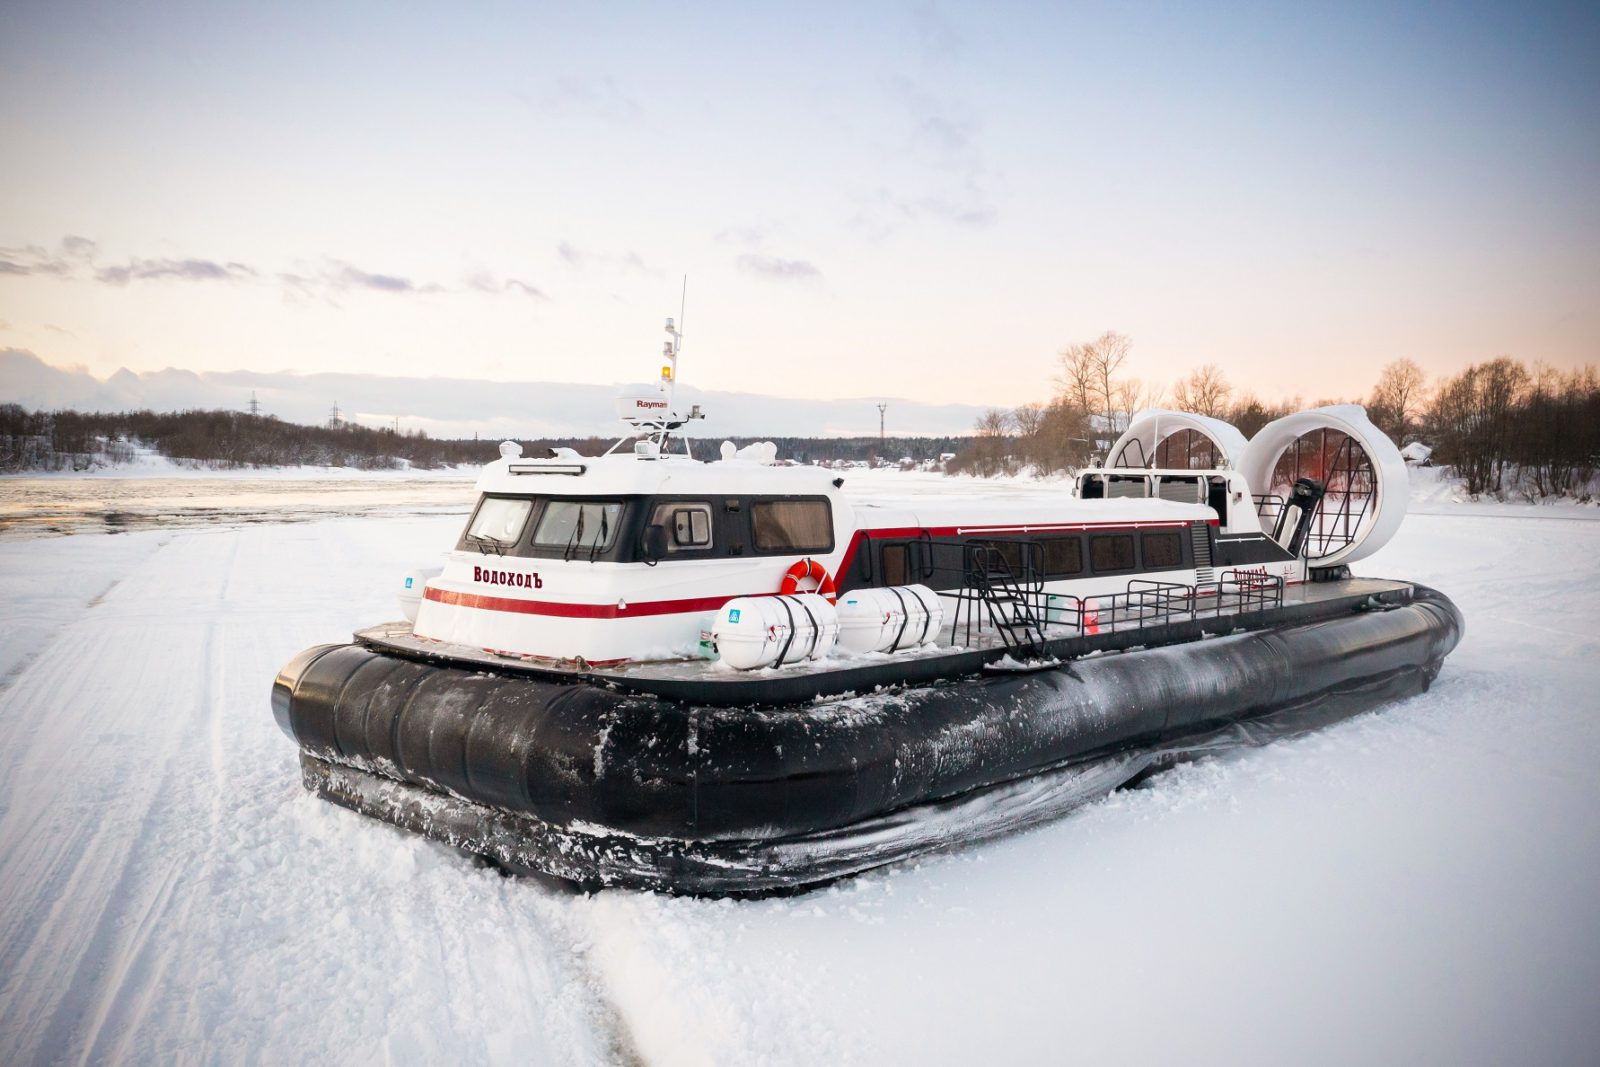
(922, 201)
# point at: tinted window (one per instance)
(792, 525)
(1113, 552)
(1162, 551)
(1009, 551)
(500, 519)
(586, 524)
(688, 525)
(1063, 556)
(895, 568)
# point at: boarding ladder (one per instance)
(990, 577)
(1200, 541)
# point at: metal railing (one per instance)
(1002, 585)
(1144, 604)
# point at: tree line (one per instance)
(73, 440)
(1501, 426)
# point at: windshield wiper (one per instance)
(605, 528)
(577, 535)
(482, 540)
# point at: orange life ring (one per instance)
(810, 570)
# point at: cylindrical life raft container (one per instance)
(769, 631)
(412, 587)
(889, 619)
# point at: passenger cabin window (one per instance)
(578, 524)
(499, 521)
(1183, 490)
(1013, 553)
(688, 525)
(1162, 551)
(1063, 557)
(896, 565)
(792, 525)
(1111, 552)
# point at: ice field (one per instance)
(1416, 885)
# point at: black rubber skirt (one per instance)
(602, 787)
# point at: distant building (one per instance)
(1418, 454)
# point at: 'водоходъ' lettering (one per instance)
(494, 577)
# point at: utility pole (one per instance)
(881, 409)
(255, 405)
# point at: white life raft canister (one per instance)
(411, 588)
(768, 631)
(885, 620)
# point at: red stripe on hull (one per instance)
(579, 611)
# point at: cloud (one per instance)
(583, 259)
(488, 283)
(72, 253)
(789, 270)
(520, 286)
(950, 181)
(76, 258)
(345, 276)
(33, 259)
(190, 270)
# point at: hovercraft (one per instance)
(725, 677)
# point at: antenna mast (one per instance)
(653, 419)
(669, 350)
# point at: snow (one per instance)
(1414, 885)
(146, 462)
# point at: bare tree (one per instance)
(994, 423)
(1205, 392)
(1076, 381)
(1028, 418)
(1473, 420)
(1249, 414)
(1090, 376)
(1398, 399)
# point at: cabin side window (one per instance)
(1182, 490)
(1014, 553)
(1063, 557)
(499, 521)
(1162, 551)
(792, 525)
(1111, 552)
(688, 525)
(585, 524)
(896, 565)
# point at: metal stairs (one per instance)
(1010, 607)
(1200, 541)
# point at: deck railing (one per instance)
(1143, 604)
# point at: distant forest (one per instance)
(1505, 429)
(72, 440)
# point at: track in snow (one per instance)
(1413, 885)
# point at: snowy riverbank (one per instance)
(1415, 885)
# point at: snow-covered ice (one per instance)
(1414, 885)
